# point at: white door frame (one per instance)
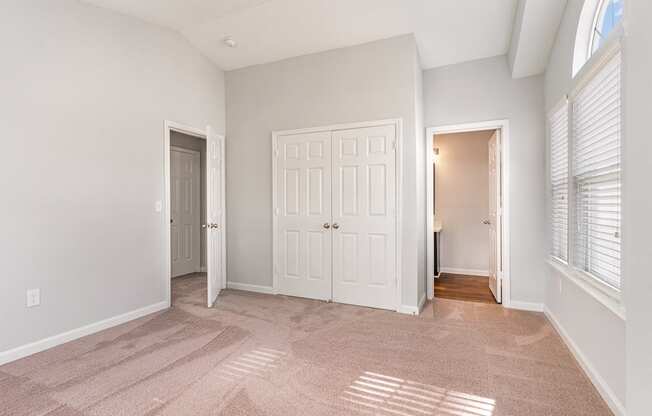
(398, 125)
(503, 126)
(170, 126)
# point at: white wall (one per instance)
(598, 333)
(462, 200)
(82, 160)
(367, 82)
(637, 206)
(421, 206)
(484, 90)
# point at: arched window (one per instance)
(607, 17)
(598, 20)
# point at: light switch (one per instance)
(33, 297)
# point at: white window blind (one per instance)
(596, 174)
(558, 130)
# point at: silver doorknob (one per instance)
(486, 222)
(203, 226)
(336, 225)
(326, 225)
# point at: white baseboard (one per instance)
(603, 388)
(526, 306)
(413, 310)
(408, 310)
(422, 302)
(203, 269)
(250, 288)
(47, 343)
(468, 272)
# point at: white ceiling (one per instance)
(447, 31)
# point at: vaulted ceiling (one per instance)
(447, 31)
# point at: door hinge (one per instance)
(394, 145)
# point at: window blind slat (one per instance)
(596, 166)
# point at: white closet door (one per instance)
(364, 217)
(184, 204)
(304, 213)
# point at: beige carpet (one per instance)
(264, 355)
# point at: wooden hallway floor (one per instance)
(463, 287)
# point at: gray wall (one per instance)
(596, 331)
(637, 206)
(462, 199)
(195, 143)
(83, 157)
(367, 82)
(484, 90)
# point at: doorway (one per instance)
(194, 211)
(467, 206)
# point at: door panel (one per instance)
(495, 282)
(185, 212)
(304, 195)
(364, 223)
(215, 231)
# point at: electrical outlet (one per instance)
(33, 297)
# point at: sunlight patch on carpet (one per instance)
(386, 395)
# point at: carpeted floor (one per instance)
(256, 354)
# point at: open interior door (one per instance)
(215, 231)
(494, 220)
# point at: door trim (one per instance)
(503, 126)
(170, 126)
(398, 125)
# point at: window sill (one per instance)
(604, 295)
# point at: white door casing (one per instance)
(215, 215)
(494, 223)
(303, 211)
(364, 216)
(503, 223)
(185, 213)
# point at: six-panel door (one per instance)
(184, 213)
(364, 217)
(215, 255)
(304, 215)
(495, 283)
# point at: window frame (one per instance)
(608, 295)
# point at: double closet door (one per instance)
(335, 214)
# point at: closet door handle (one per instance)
(326, 225)
(336, 225)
